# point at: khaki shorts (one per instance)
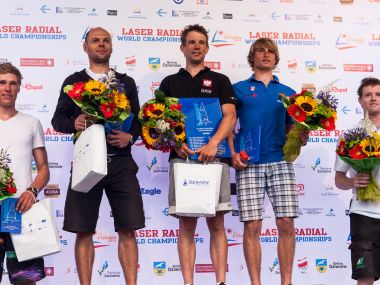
(225, 189)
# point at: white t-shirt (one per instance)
(369, 209)
(20, 135)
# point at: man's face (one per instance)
(98, 46)
(9, 89)
(264, 59)
(196, 48)
(370, 99)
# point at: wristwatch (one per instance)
(34, 190)
(131, 141)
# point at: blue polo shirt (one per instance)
(259, 105)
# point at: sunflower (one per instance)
(369, 146)
(155, 110)
(150, 136)
(307, 104)
(121, 100)
(95, 87)
(179, 131)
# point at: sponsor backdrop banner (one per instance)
(321, 43)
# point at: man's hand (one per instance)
(207, 152)
(183, 151)
(304, 136)
(25, 202)
(83, 121)
(237, 162)
(361, 179)
(119, 139)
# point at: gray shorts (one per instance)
(277, 179)
(225, 189)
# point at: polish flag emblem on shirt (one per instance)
(207, 83)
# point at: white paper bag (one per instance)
(90, 159)
(197, 188)
(39, 233)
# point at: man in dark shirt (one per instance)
(196, 80)
(121, 184)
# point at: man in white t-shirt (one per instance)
(364, 216)
(23, 138)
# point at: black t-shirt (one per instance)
(206, 83)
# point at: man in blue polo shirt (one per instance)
(260, 106)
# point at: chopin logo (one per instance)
(41, 62)
(30, 86)
(154, 63)
(159, 268)
(321, 265)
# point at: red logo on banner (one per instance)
(358, 67)
(213, 64)
(45, 62)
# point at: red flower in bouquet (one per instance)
(107, 109)
(357, 152)
(360, 150)
(103, 99)
(328, 124)
(76, 92)
(341, 148)
(7, 185)
(311, 112)
(10, 188)
(297, 113)
(176, 107)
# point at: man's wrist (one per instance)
(33, 190)
(131, 140)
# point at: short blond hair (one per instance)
(262, 42)
(8, 67)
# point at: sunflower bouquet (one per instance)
(360, 148)
(7, 185)
(310, 112)
(104, 99)
(162, 123)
